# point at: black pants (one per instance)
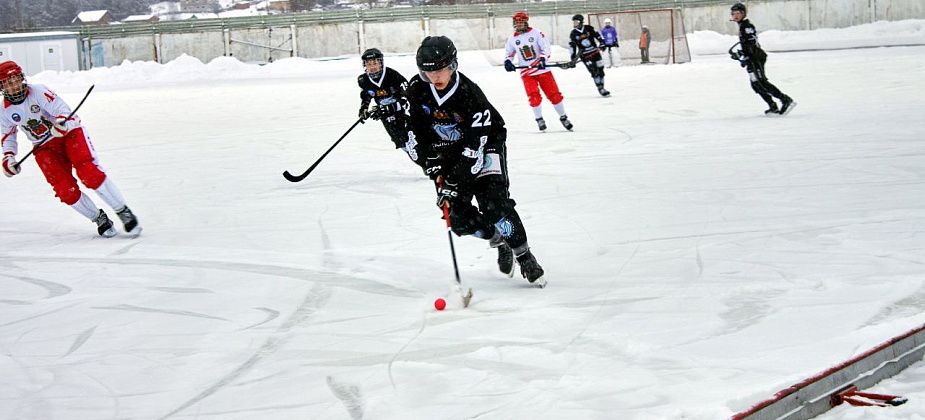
(594, 62)
(495, 211)
(644, 53)
(759, 80)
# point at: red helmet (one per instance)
(521, 16)
(10, 70)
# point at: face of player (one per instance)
(737, 15)
(440, 78)
(521, 25)
(12, 85)
(372, 66)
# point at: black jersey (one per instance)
(457, 126)
(584, 40)
(388, 88)
(748, 38)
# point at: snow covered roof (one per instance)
(28, 35)
(91, 15)
(138, 18)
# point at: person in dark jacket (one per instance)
(461, 138)
(752, 57)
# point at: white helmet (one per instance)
(608, 21)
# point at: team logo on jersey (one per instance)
(35, 109)
(16, 117)
(382, 92)
(517, 42)
(371, 92)
(441, 115)
(37, 129)
(426, 109)
(447, 132)
(531, 39)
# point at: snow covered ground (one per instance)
(700, 255)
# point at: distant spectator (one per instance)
(644, 40)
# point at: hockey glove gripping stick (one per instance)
(296, 178)
(465, 297)
(17, 164)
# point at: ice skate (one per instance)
(541, 123)
(129, 221)
(104, 225)
(787, 105)
(531, 269)
(565, 122)
(772, 110)
(603, 92)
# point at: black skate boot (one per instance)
(565, 122)
(505, 255)
(541, 123)
(129, 221)
(772, 110)
(531, 269)
(603, 92)
(104, 225)
(787, 105)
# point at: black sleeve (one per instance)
(748, 35)
(364, 98)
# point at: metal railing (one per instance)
(376, 15)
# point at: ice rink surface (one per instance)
(700, 256)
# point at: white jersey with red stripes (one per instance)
(34, 116)
(528, 47)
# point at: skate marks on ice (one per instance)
(302, 274)
(349, 394)
(315, 299)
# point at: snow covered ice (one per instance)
(700, 256)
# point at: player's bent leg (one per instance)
(83, 158)
(54, 165)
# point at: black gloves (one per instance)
(447, 193)
(541, 63)
(509, 66)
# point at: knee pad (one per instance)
(67, 191)
(89, 174)
(466, 220)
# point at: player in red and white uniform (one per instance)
(531, 47)
(61, 148)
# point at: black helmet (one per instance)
(579, 18)
(373, 54)
(738, 7)
(435, 53)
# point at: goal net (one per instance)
(668, 40)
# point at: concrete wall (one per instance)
(488, 32)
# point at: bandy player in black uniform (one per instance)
(462, 137)
(752, 57)
(385, 86)
(584, 41)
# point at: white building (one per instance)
(39, 51)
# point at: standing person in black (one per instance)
(584, 41)
(752, 57)
(461, 138)
(385, 86)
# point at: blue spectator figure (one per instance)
(609, 33)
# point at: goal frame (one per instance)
(598, 18)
